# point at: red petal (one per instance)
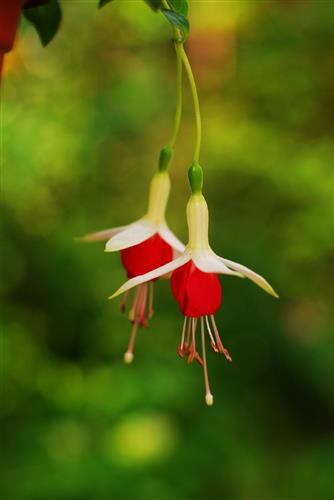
(148, 255)
(197, 293)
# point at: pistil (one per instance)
(208, 395)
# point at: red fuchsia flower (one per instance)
(144, 245)
(196, 287)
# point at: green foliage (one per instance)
(180, 6)
(177, 20)
(46, 19)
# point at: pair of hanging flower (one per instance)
(149, 251)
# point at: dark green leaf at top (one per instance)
(46, 20)
(155, 4)
(178, 20)
(102, 3)
(180, 6)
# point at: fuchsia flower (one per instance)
(196, 287)
(144, 245)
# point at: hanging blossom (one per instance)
(144, 245)
(195, 284)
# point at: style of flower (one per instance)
(144, 245)
(196, 287)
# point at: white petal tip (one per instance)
(128, 358)
(274, 294)
(83, 239)
(114, 295)
(110, 249)
(209, 399)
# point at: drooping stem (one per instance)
(197, 110)
(181, 54)
(178, 112)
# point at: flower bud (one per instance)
(165, 157)
(195, 175)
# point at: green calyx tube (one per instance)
(165, 157)
(195, 175)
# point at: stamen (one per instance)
(213, 343)
(150, 300)
(142, 305)
(128, 356)
(192, 347)
(193, 354)
(124, 301)
(219, 342)
(208, 395)
(180, 348)
(132, 313)
(186, 344)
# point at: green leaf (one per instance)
(45, 19)
(180, 6)
(155, 4)
(178, 20)
(102, 3)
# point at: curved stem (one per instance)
(182, 55)
(197, 110)
(178, 112)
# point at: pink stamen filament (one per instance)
(150, 300)
(128, 356)
(188, 335)
(142, 305)
(125, 301)
(138, 315)
(193, 354)
(219, 342)
(181, 346)
(213, 343)
(208, 395)
(132, 313)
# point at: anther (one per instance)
(128, 358)
(209, 399)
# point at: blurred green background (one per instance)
(83, 122)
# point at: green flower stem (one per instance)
(178, 112)
(181, 54)
(197, 110)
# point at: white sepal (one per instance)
(207, 262)
(156, 273)
(133, 235)
(248, 273)
(169, 237)
(104, 235)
